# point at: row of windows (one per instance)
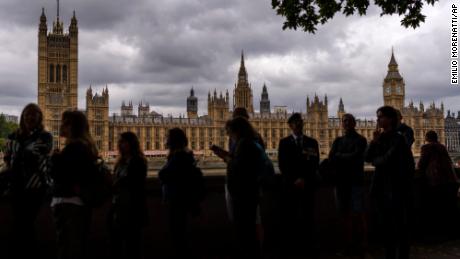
(154, 131)
(56, 73)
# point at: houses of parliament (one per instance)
(58, 91)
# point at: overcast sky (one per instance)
(157, 50)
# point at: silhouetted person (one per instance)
(406, 131)
(70, 171)
(440, 180)
(243, 113)
(347, 157)
(298, 159)
(220, 152)
(183, 189)
(243, 169)
(25, 157)
(392, 182)
(128, 213)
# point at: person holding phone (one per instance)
(391, 189)
(243, 170)
(239, 112)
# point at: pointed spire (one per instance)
(42, 27)
(393, 71)
(89, 92)
(57, 10)
(242, 74)
(392, 60)
(73, 21)
(341, 106)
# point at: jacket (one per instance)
(129, 197)
(70, 169)
(244, 169)
(394, 168)
(27, 158)
(298, 162)
(347, 157)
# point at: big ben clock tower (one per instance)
(393, 86)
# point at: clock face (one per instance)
(387, 90)
(398, 89)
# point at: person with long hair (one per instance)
(392, 182)
(183, 186)
(26, 155)
(128, 213)
(71, 168)
(243, 170)
(226, 155)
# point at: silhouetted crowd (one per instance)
(78, 181)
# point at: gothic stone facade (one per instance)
(58, 81)
(209, 129)
(58, 88)
(453, 132)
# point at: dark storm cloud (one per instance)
(156, 50)
(95, 15)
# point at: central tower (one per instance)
(57, 71)
(242, 95)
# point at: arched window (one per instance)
(51, 77)
(64, 73)
(58, 73)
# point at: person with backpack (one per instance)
(26, 156)
(73, 170)
(183, 189)
(128, 213)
